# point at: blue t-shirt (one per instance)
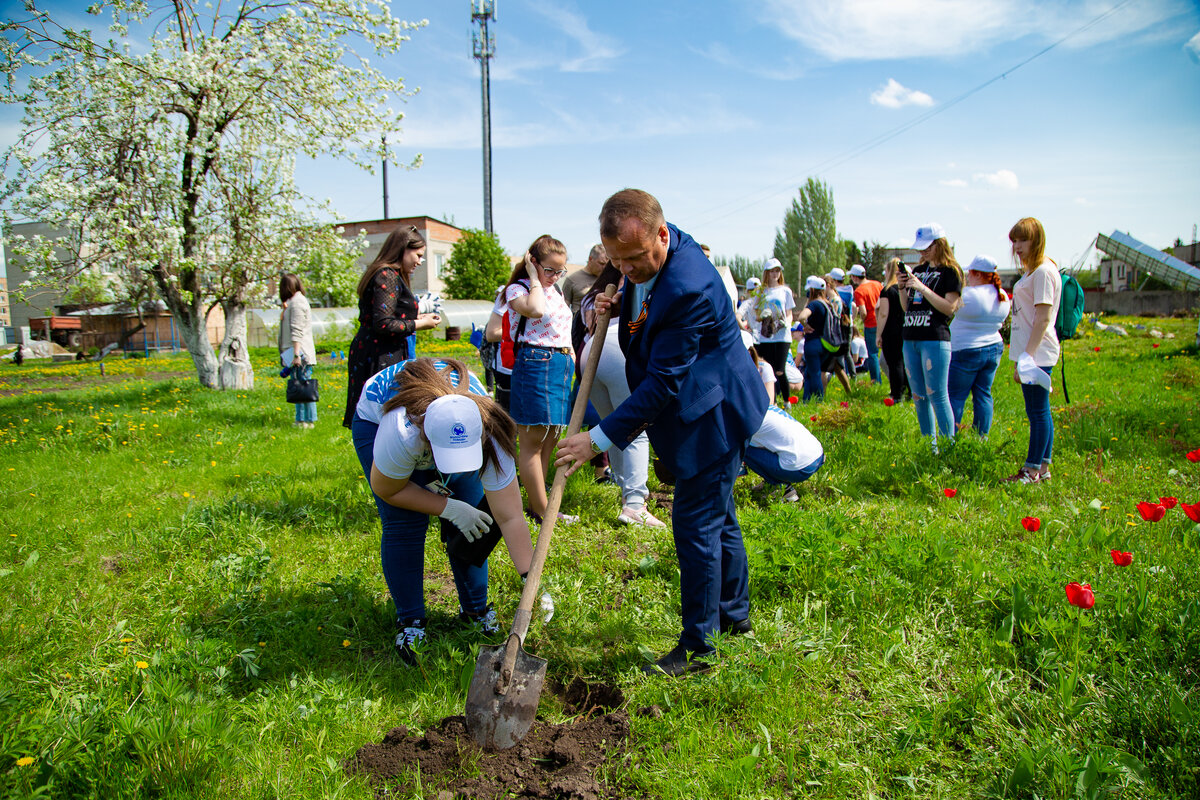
(847, 295)
(382, 387)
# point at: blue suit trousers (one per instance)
(714, 576)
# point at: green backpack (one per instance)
(1070, 308)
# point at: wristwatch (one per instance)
(595, 446)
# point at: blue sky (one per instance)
(723, 108)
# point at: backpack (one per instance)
(832, 338)
(1070, 308)
(509, 347)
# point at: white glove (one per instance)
(470, 520)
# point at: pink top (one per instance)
(553, 329)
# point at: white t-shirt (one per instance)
(858, 350)
(401, 450)
(781, 433)
(773, 304)
(1043, 286)
(768, 377)
(978, 320)
(552, 329)
(746, 312)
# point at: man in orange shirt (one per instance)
(866, 297)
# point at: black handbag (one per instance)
(301, 390)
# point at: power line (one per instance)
(860, 149)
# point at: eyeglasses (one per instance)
(554, 272)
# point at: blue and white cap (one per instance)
(455, 430)
(927, 235)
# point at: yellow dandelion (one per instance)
(262, 644)
(127, 640)
(24, 761)
(141, 665)
(212, 463)
(187, 494)
(345, 642)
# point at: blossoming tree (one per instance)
(169, 149)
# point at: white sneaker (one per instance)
(791, 495)
(639, 515)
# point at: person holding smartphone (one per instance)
(930, 294)
(540, 326)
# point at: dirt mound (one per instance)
(554, 762)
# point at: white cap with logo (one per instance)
(927, 235)
(454, 429)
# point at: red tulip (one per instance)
(1121, 559)
(1194, 456)
(887, 401)
(813, 418)
(1168, 502)
(949, 492)
(1081, 596)
(845, 404)
(1031, 524)
(1097, 349)
(1151, 512)
(793, 399)
(1192, 511)
(1154, 345)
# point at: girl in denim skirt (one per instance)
(541, 378)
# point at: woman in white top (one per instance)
(772, 322)
(631, 466)
(783, 451)
(976, 345)
(433, 444)
(540, 325)
(1033, 345)
(296, 339)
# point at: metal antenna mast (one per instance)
(485, 48)
(383, 139)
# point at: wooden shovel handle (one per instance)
(533, 578)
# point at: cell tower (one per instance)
(483, 11)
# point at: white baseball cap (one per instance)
(858, 271)
(927, 235)
(814, 282)
(455, 430)
(983, 264)
(747, 339)
(752, 284)
(772, 263)
(838, 274)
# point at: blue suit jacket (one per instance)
(695, 389)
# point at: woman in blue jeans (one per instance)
(433, 444)
(813, 317)
(975, 343)
(1033, 344)
(930, 294)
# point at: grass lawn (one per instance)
(195, 604)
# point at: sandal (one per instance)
(1024, 475)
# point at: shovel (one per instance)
(503, 697)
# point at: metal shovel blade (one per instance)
(501, 709)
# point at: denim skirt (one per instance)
(541, 385)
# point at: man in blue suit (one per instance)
(696, 392)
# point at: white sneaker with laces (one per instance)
(639, 515)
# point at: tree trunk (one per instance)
(235, 369)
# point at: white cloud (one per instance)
(885, 29)
(954, 183)
(895, 95)
(595, 49)
(719, 53)
(1001, 179)
(1192, 48)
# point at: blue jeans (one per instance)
(814, 381)
(1041, 424)
(872, 355)
(766, 464)
(928, 366)
(972, 371)
(402, 547)
(306, 412)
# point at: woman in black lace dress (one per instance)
(387, 312)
